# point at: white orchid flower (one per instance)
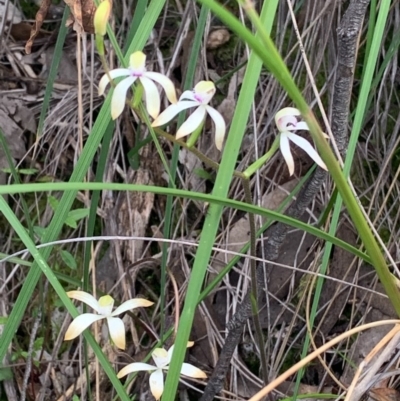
(162, 359)
(199, 97)
(104, 308)
(137, 70)
(287, 122)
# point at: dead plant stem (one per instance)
(295, 368)
(254, 287)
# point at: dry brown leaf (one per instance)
(228, 105)
(82, 13)
(384, 394)
(81, 382)
(68, 72)
(360, 349)
(238, 233)
(14, 119)
(22, 31)
(13, 116)
(191, 163)
(39, 18)
(217, 38)
(288, 388)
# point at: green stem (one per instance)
(262, 160)
(100, 45)
(206, 160)
(142, 113)
(195, 136)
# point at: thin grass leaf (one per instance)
(15, 175)
(362, 102)
(103, 121)
(194, 54)
(272, 60)
(197, 196)
(62, 34)
(24, 297)
(140, 9)
(211, 224)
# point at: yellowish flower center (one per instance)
(137, 61)
(105, 301)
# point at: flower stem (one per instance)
(195, 136)
(262, 160)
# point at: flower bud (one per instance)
(101, 17)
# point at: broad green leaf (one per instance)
(68, 259)
(53, 202)
(78, 214)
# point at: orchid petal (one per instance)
(286, 153)
(286, 123)
(119, 96)
(171, 350)
(104, 81)
(169, 354)
(137, 61)
(204, 91)
(171, 111)
(287, 111)
(307, 147)
(131, 304)
(201, 94)
(85, 297)
(301, 125)
(191, 371)
(135, 367)
(192, 123)
(189, 94)
(220, 126)
(80, 323)
(117, 331)
(205, 87)
(152, 96)
(161, 357)
(157, 383)
(165, 82)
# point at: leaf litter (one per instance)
(285, 320)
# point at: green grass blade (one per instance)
(211, 223)
(62, 34)
(140, 9)
(268, 53)
(175, 156)
(15, 175)
(94, 202)
(46, 269)
(61, 213)
(53, 231)
(206, 198)
(81, 168)
(370, 66)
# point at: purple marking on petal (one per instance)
(136, 73)
(198, 97)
